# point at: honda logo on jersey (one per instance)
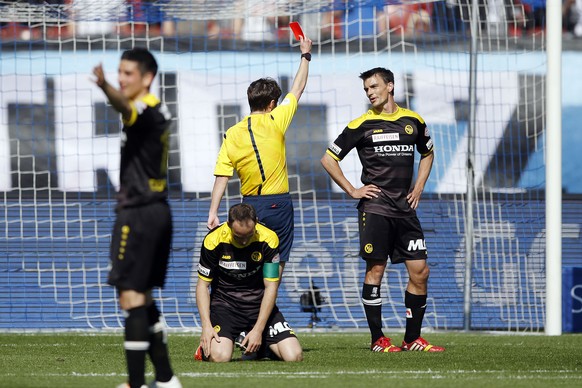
(417, 245)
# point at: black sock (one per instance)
(158, 349)
(136, 344)
(373, 308)
(415, 308)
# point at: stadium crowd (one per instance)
(147, 17)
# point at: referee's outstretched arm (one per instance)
(301, 77)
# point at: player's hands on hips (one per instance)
(99, 75)
(206, 337)
(212, 222)
(253, 341)
(368, 191)
(305, 44)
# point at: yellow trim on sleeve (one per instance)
(332, 155)
(205, 278)
(133, 117)
(271, 279)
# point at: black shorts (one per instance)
(400, 239)
(228, 323)
(140, 247)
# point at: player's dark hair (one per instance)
(242, 212)
(261, 92)
(385, 74)
(145, 60)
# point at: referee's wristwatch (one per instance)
(306, 56)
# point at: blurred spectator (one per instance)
(572, 17)
(405, 18)
(254, 26)
(535, 13)
(151, 13)
(97, 17)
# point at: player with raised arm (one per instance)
(142, 234)
(255, 148)
(239, 261)
(385, 138)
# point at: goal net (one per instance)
(60, 140)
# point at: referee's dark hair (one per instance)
(146, 61)
(385, 74)
(261, 92)
(242, 212)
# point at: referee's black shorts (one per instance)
(383, 237)
(140, 247)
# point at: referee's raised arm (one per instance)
(301, 77)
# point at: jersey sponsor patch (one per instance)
(203, 270)
(285, 102)
(385, 137)
(335, 149)
(233, 264)
(426, 132)
(429, 144)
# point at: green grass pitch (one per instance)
(331, 360)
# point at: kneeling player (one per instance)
(240, 260)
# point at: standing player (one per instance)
(385, 138)
(142, 233)
(255, 148)
(240, 260)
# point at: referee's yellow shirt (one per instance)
(255, 148)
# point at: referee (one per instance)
(255, 149)
(142, 234)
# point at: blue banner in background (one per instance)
(572, 299)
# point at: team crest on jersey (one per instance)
(256, 256)
(408, 129)
(368, 248)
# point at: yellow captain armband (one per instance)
(271, 271)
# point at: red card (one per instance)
(296, 28)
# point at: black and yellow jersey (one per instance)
(255, 148)
(236, 272)
(385, 144)
(144, 153)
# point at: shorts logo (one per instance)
(256, 256)
(278, 328)
(335, 149)
(408, 129)
(217, 328)
(241, 265)
(368, 248)
(386, 137)
(408, 313)
(417, 245)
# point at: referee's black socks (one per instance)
(136, 344)
(415, 308)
